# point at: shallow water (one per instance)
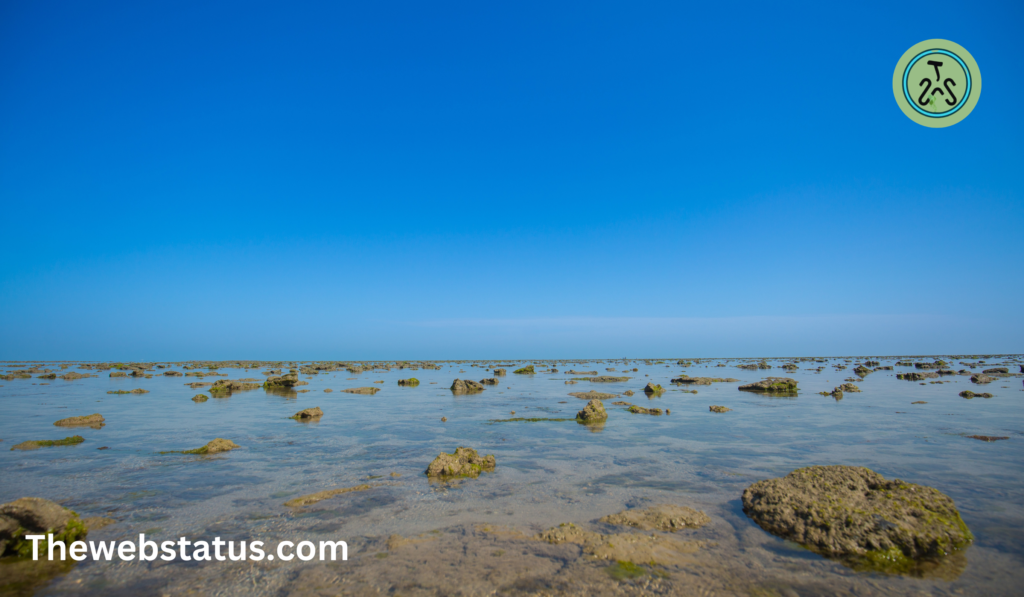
(547, 473)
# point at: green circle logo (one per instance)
(936, 83)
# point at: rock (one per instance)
(464, 462)
(490, 381)
(36, 516)
(285, 381)
(320, 496)
(135, 391)
(591, 395)
(981, 378)
(571, 372)
(639, 410)
(172, 373)
(47, 443)
(593, 412)
(226, 386)
(466, 386)
(847, 387)
(653, 388)
(916, 376)
(719, 409)
(364, 390)
(118, 374)
(444, 419)
(199, 384)
(412, 381)
(861, 370)
(919, 402)
(499, 372)
(856, 515)
(625, 548)
(988, 438)
(200, 398)
(702, 381)
(666, 517)
(628, 393)
(622, 403)
(772, 385)
(308, 414)
(570, 382)
(606, 379)
(932, 365)
(969, 395)
(94, 420)
(216, 446)
(527, 370)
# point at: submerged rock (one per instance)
(606, 379)
(632, 548)
(666, 517)
(118, 374)
(320, 496)
(466, 386)
(702, 381)
(981, 378)
(364, 390)
(593, 412)
(856, 515)
(216, 446)
(200, 398)
(916, 375)
(135, 391)
(719, 409)
(592, 395)
(412, 381)
(464, 462)
(308, 414)
(490, 381)
(227, 386)
(48, 443)
(772, 385)
(988, 438)
(94, 420)
(172, 373)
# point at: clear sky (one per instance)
(372, 180)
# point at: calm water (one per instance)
(547, 472)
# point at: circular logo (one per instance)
(936, 83)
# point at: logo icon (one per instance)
(936, 83)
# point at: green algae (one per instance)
(622, 570)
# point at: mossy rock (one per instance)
(865, 521)
(463, 462)
(772, 385)
(527, 370)
(47, 443)
(216, 446)
(593, 412)
(95, 421)
(412, 381)
(200, 398)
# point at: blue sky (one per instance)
(501, 180)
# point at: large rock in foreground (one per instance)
(464, 462)
(772, 385)
(593, 412)
(856, 515)
(36, 516)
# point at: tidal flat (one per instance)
(537, 523)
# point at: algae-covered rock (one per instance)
(591, 395)
(772, 385)
(861, 370)
(227, 386)
(639, 410)
(172, 373)
(118, 374)
(856, 515)
(466, 386)
(527, 370)
(605, 379)
(500, 372)
(412, 381)
(702, 381)
(969, 395)
(308, 414)
(320, 496)
(916, 375)
(135, 391)
(653, 388)
(490, 381)
(633, 548)
(200, 398)
(47, 443)
(981, 378)
(464, 462)
(216, 446)
(94, 420)
(719, 409)
(363, 390)
(284, 381)
(593, 412)
(36, 516)
(665, 517)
